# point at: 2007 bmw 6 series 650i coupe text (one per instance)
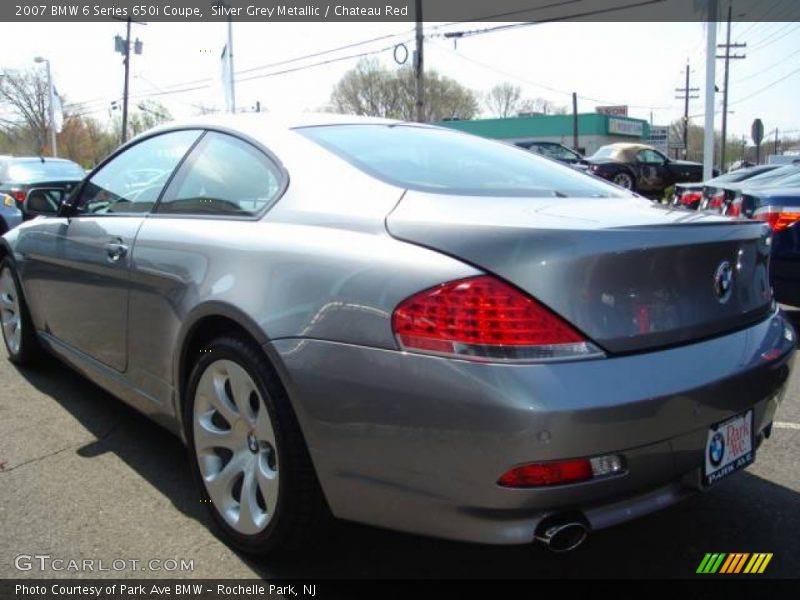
(404, 326)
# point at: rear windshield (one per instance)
(740, 175)
(441, 161)
(605, 152)
(775, 174)
(36, 170)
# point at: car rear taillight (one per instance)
(483, 318)
(18, 195)
(688, 198)
(778, 217)
(716, 201)
(561, 472)
(734, 209)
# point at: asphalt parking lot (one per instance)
(82, 476)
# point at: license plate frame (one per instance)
(729, 448)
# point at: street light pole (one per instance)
(232, 82)
(52, 111)
(127, 60)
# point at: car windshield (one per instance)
(449, 162)
(554, 151)
(36, 170)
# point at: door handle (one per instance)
(116, 250)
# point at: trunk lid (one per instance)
(629, 274)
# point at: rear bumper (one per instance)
(416, 443)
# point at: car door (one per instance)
(82, 259)
(654, 176)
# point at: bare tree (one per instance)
(504, 100)
(24, 116)
(370, 89)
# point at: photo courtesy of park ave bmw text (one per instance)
(344, 298)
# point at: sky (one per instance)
(638, 64)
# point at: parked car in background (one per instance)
(10, 215)
(404, 325)
(20, 174)
(779, 207)
(642, 168)
(555, 151)
(720, 197)
(690, 195)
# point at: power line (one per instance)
(775, 39)
(772, 66)
(761, 19)
(535, 84)
(765, 88)
(473, 32)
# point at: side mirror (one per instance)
(43, 201)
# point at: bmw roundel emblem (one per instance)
(723, 281)
(716, 449)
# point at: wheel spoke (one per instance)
(268, 484)
(208, 436)
(251, 517)
(211, 389)
(241, 388)
(263, 427)
(220, 485)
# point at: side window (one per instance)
(650, 156)
(223, 176)
(131, 182)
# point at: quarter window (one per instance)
(223, 176)
(131, 182)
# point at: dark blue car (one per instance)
(780, 208)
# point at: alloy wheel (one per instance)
(235, 447)
(623, 180)
(10, 311)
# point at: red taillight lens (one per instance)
(716, 200)
(691, 198)
(565, 471)
(543, 474)
(735, 207)
(18, 195)
(483, 317)
(778, 218)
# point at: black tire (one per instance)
(29, 351)
(301, 511)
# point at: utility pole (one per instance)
(419, 64)
(124, 48)
(687, 95)
(711, 69)
(575, 121)
(727, 56)
(775, 150)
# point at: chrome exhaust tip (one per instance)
(562, 536)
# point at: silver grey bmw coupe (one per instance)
(404, 326)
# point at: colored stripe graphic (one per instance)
(758, 563)
(723, 563)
